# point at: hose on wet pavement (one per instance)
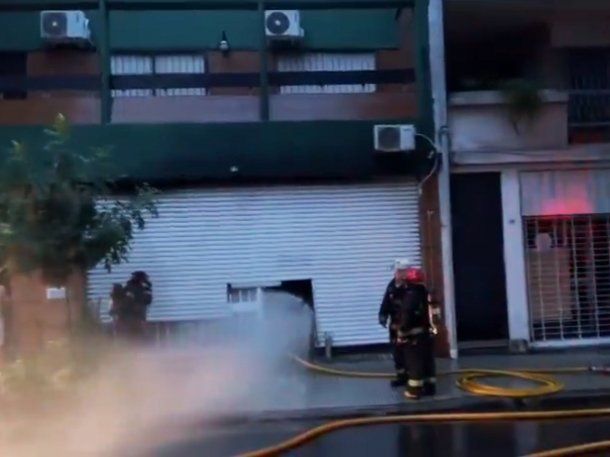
(579, 449)
(469, 379)
(317, 432)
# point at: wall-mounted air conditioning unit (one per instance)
(394, 138)
(283, 25)
(64, 27)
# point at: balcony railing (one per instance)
(589, 116)
(589, 106)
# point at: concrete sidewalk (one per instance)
(298, 393)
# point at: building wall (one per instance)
(516, 293)
(41, 107)
(221, 105)
(345, 31)
(172, 30)
(236, 62)
(538, 34)
(559, 30)
(583, 200)
(468, 111)
(401, 57)
(378, 31)
(579, 29)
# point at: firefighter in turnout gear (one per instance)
(139, 294)
(130, 306)
(389, 310)
(417, 325)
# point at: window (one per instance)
(244, 301)
(158, 65)
(327, 62)
(242, 295)
(589, 84)
(568, 276)
(13, 64)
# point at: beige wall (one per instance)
(468, 112)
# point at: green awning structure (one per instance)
(240, 151)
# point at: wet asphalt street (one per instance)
(501, 439)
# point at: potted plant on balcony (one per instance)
(523, 101)
(57, 220)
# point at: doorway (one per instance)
(478, 253)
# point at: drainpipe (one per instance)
(439, 106)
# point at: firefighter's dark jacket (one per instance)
(139, 297)
(406, 307)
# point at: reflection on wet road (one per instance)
(501, 439)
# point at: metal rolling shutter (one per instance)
(327, 62)
(342, 237)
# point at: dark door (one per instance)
(478, 257)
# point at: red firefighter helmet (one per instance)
(415, 275)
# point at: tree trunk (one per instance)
(3, 325)
(36, 320)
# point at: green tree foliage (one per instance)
(57, 211)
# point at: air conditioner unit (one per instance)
(57, 27)
(394, 138)
(283, 25)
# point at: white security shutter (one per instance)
(186, 64)
(327, 62)
(343, 238)
(131, 65)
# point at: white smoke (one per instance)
(242, 366)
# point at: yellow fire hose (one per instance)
(317, 432)
(579, 449)
(468, 380)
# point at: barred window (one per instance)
(568, 276)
